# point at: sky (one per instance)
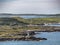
(30, 6)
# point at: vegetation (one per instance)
(15, 25)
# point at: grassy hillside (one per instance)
(14, 25)
(12, 21)
(22, 21)
(45, 20)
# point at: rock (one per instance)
(23, 39)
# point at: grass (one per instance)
(21, 22)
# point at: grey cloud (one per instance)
(30, 6)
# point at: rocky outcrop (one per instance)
(23, 39)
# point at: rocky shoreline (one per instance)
(22, 36)
(22, 39)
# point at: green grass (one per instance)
(7, 28)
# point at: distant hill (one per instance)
(30, 14)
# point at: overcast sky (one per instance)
(30, 6)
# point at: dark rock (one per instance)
(23, 39)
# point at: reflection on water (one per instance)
(53, 39)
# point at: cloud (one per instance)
(30, 6)
(6, 0)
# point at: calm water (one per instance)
(58, 25)
(53, 39)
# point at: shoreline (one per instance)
(23, 39)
